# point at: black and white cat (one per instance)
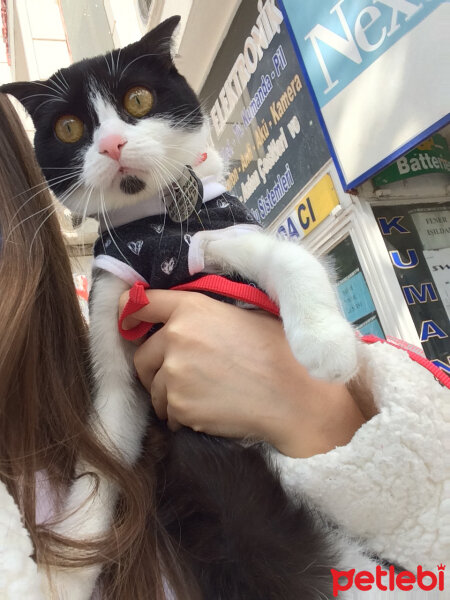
(114, 137)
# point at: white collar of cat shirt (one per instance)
(155, 206)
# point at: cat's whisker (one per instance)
(59, 74)
(118, 60)
(47, 101)
(88, 193)
(77, 169)
(204, 101)
(160, 188)
(78, 208)
(107, 64)
(169, 188)
(161, 191)
(63, 199)
(167, 185)
(154, 175)
(105, 218)
(173, 116)
(11, 230)
(37, 95)
(57, 85)
(183, 122)
(113, 66)
(73, 188)
(133, 61)
(48, 87)
(193, 153)
(181, 113)
(52, 97)
(113, 73)
(42, 187)
(99, 221)
(86, 206)
(51, 213)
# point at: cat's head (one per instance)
(115, 129)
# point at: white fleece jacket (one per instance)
(391, 484)
(19, 578)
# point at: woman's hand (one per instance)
(226, 371)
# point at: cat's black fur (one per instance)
(236, 529)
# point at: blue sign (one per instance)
(339, 40)
(354, 296)
(372, 66)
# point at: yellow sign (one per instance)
(311, 210)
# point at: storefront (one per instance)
(388, 236)
(316, 124)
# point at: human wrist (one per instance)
(321, 417)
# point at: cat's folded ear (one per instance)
(159, 40)
(31, 94)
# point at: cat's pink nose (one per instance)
(112, 145)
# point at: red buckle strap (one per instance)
(209, 283)
(137, 300)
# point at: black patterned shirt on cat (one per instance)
(155, 249)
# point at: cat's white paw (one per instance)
(208, 249)
(320, 337)
(326, 346)
(70, 584)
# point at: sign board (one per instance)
(263, 119)
(417, 238)
(378, 74)
(431, 156)
(312, 209)
(354, 296)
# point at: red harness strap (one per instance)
(137, 299)
(424, 362)
(231, 289)
(246, 293)
(209, 283)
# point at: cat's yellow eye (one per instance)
(138, 101)
(69, 129)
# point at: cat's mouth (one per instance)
(130, 184)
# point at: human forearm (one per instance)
(218, 369)
(330, 419)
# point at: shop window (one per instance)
(417, 238)
(144, 9)
(354, 295)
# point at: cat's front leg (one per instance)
(320, 337)
(118, 419)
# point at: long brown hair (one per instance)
(45, 390)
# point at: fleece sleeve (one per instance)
(391, 484)
(19, 578)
